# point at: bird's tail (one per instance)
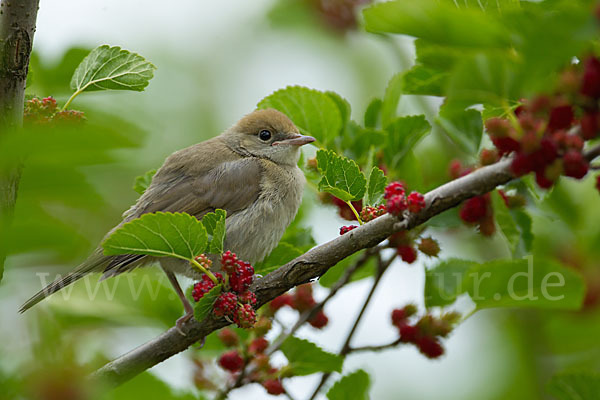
(92, 264)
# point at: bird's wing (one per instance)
(230, 183)
(195, 180)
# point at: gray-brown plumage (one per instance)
(250, 170)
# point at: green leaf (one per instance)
(436, 57)
(342, 105)
(373, 113)
(446, 281)
(112, 68)
(391, 98)
(464, 127)
(542, 283)
(204, 306)
(422, 80)
(505, 222)
(281, 255)
(215, 229)
(488, 79)
(160, 234)
(354, 386)
(341, 176)
(534, 283)
(438, 22)
(314, 113)
(147, 386)
(299, 237)
(403, 134)
(306, 358)
(375, 187)
(143, 181)
(524, 223)
(580, 385)
(334, 273)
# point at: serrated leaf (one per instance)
(306, 358)
(313, 112)
(391, 98)
(204, 306)
(160, 235)
(464, 127)
(576, 385)
(354, 386)
(112, 68)
(341, 176)
(281, 255)
(215, 229)
(421, 80)
(505, 222)
(446, 281)
(403, 134)
(143, 181)
(375, 187)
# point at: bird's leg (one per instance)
(189, 310)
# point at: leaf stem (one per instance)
(356, 214)
(77, 92)
(204, 270)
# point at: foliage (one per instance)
(479, 59)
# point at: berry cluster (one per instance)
(252, 353)
(404, 242)
(426, 332)
(548, 132)
(478, 211)
(370, 213)
(366, 214)
(345, 229)
(301, 300)
(339, 15)
(398, 201)
(236, 304)
(45, 111)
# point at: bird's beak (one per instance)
(298, 140)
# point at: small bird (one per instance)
(250, 170)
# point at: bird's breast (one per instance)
(253, 232)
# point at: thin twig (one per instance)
(375, 348)
(382, 266)
(222, 395)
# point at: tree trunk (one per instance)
(17, 26)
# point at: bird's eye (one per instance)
(264, 135)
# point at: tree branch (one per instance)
(312, 265)
(307, 267)
(17, 26)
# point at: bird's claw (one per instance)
(182, 321)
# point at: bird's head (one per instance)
(267, 134)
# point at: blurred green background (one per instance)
(215, 61)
